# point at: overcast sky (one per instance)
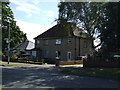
(34, 16)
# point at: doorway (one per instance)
(69, 56)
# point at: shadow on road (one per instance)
(49, 77)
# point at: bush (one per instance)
(16, 55)
(22, 51)
(49, 61)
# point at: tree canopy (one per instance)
(100, 20)
(16, 36)
(110, 33)
(87, 15)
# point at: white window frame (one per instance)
(69, 56)
(57, 53)
(58, 41)
(69, 41)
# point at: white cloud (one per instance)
(31, 7)
(49, 13)
(26, 6)
(29, 15)
(36, 2)
(20, 8)
(32, 29)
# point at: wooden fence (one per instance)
(71, 62)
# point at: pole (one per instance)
(9, 43)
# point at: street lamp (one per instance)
(9, 42)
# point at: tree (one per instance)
(110, 33)
(17, 36)
(65, 28)
(87, 15)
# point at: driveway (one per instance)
(48, 76)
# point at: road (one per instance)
(49, 77)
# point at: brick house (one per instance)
(52, 44)
(27, 45)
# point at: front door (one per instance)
(68, 56)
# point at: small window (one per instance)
(38, 42)
(46, 42)
(58, 41)
(69, 41)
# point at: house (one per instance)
(28, 46)
(52, 44)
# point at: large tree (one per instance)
(87, 15)
(16, 36)
(110, 31)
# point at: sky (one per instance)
(35, 16)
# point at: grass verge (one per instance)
(102, 72)
(13, 64)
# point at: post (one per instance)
(9, 43)
(57, 61)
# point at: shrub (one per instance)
(22, 51)
(16, 55)
(49, 61)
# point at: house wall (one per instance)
(64, 47)
(34, 53)
(85, 46)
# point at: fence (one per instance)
(71, 62)
(106, 64)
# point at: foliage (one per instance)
(65, 28)
(17, 36)
(15, 55)
(110, 33)
(22, 51)
(87, 15)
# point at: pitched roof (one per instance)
(27, 45)
(53, 32)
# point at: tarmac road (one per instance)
(48, 77)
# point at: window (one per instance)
(58, 41)
(38, 42)
(57, 53)
(46, 42)
(46, 53)
(69, 41)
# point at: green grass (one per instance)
(12, 64)
(33, 62)
(105, 72)
(20, 64)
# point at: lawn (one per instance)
(32, 62)
(13, 64)
(22, 63)
(101, 72)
